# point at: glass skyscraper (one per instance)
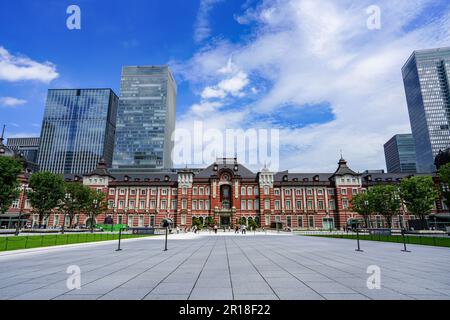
(146, 118)
(426, 77)
(78, 130)
(400, 153)
(28, 147)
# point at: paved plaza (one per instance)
(227, 267)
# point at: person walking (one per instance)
(236, 230)
(215, 229)
(244, 229)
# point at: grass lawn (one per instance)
(426, 241)
(29, 242)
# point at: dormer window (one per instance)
(216, 167)
(236, 167)
(285, 178)
(166, 178)
(316, 178)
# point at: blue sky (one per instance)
(310, 68)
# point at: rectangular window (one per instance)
(266, 190)
(201, 191)
(332, 205)
(122, 192)
(207, 207)
(183, 219)
(320, 204)
(153, 191)
(256, 205)
(194, 191)
(267, 204)
(344, 192)
(256, 192)
(143, 192)
(277, 192)
(184, 191)
(299, 205)
(287, 192)
(194, 205)
(200, 205)
(112, 192)
(164, 192)
(152, 221)
(164, 205)
(288, 204)
(153, 204)
(277, 205)
(277, 219)
(130, 221)
(110, 204)
(133, 192)
(121, 204)
(207, 191)
(141, 221)
(300, 222)
(249, 191)
(243, 191)
(243, 205)
(184, 204)
(345, 203)
(320, 192)
(310, 205)
(250, 205)
(142, 204)
(131, 204)
(309, 192)
(267, 218)
(354, 191)
(289, 221)
(174, 204)
(311, 221)
(56, 220)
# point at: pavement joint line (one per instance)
(289, 273)
(386, 286)
(84, 260)
(176, 268)
(229, 268)
(321, 273)
(146, 270)
(406, 266)
(203, 267)
(253, 265)
(119, 261)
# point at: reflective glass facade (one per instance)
(146, 118)
(78, 130)
(29, 147)
(400, 153)
(426, 77)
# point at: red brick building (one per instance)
(226, 191)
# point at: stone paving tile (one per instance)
(222, 267)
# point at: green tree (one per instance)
(47, 193)
(252, 225)
(76, 199)
(362, 204)
(209, 221)
(386, 201)
(444, 177)
(95, 206)
(419, 195)
(196, 222)
(9, 186)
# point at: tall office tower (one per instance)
(28, 147)
(400, 153)
(426, 77)
(146, 118)
(78, 130)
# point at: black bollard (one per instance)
(165, 246)
(357, 239)
(120, 238)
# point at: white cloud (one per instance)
(202, 24)
(230, 86)
(312, 51)
(20, 68)
(11, 101)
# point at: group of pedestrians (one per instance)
(241, 229)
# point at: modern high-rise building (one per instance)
(146, 118)
(400, 153)
(78, 130)
(28, 147)
(426, 76)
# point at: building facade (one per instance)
(228, 192)
(400, 154)
(28, 147)
(146, 118)
(78, 130)
(426, 77)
